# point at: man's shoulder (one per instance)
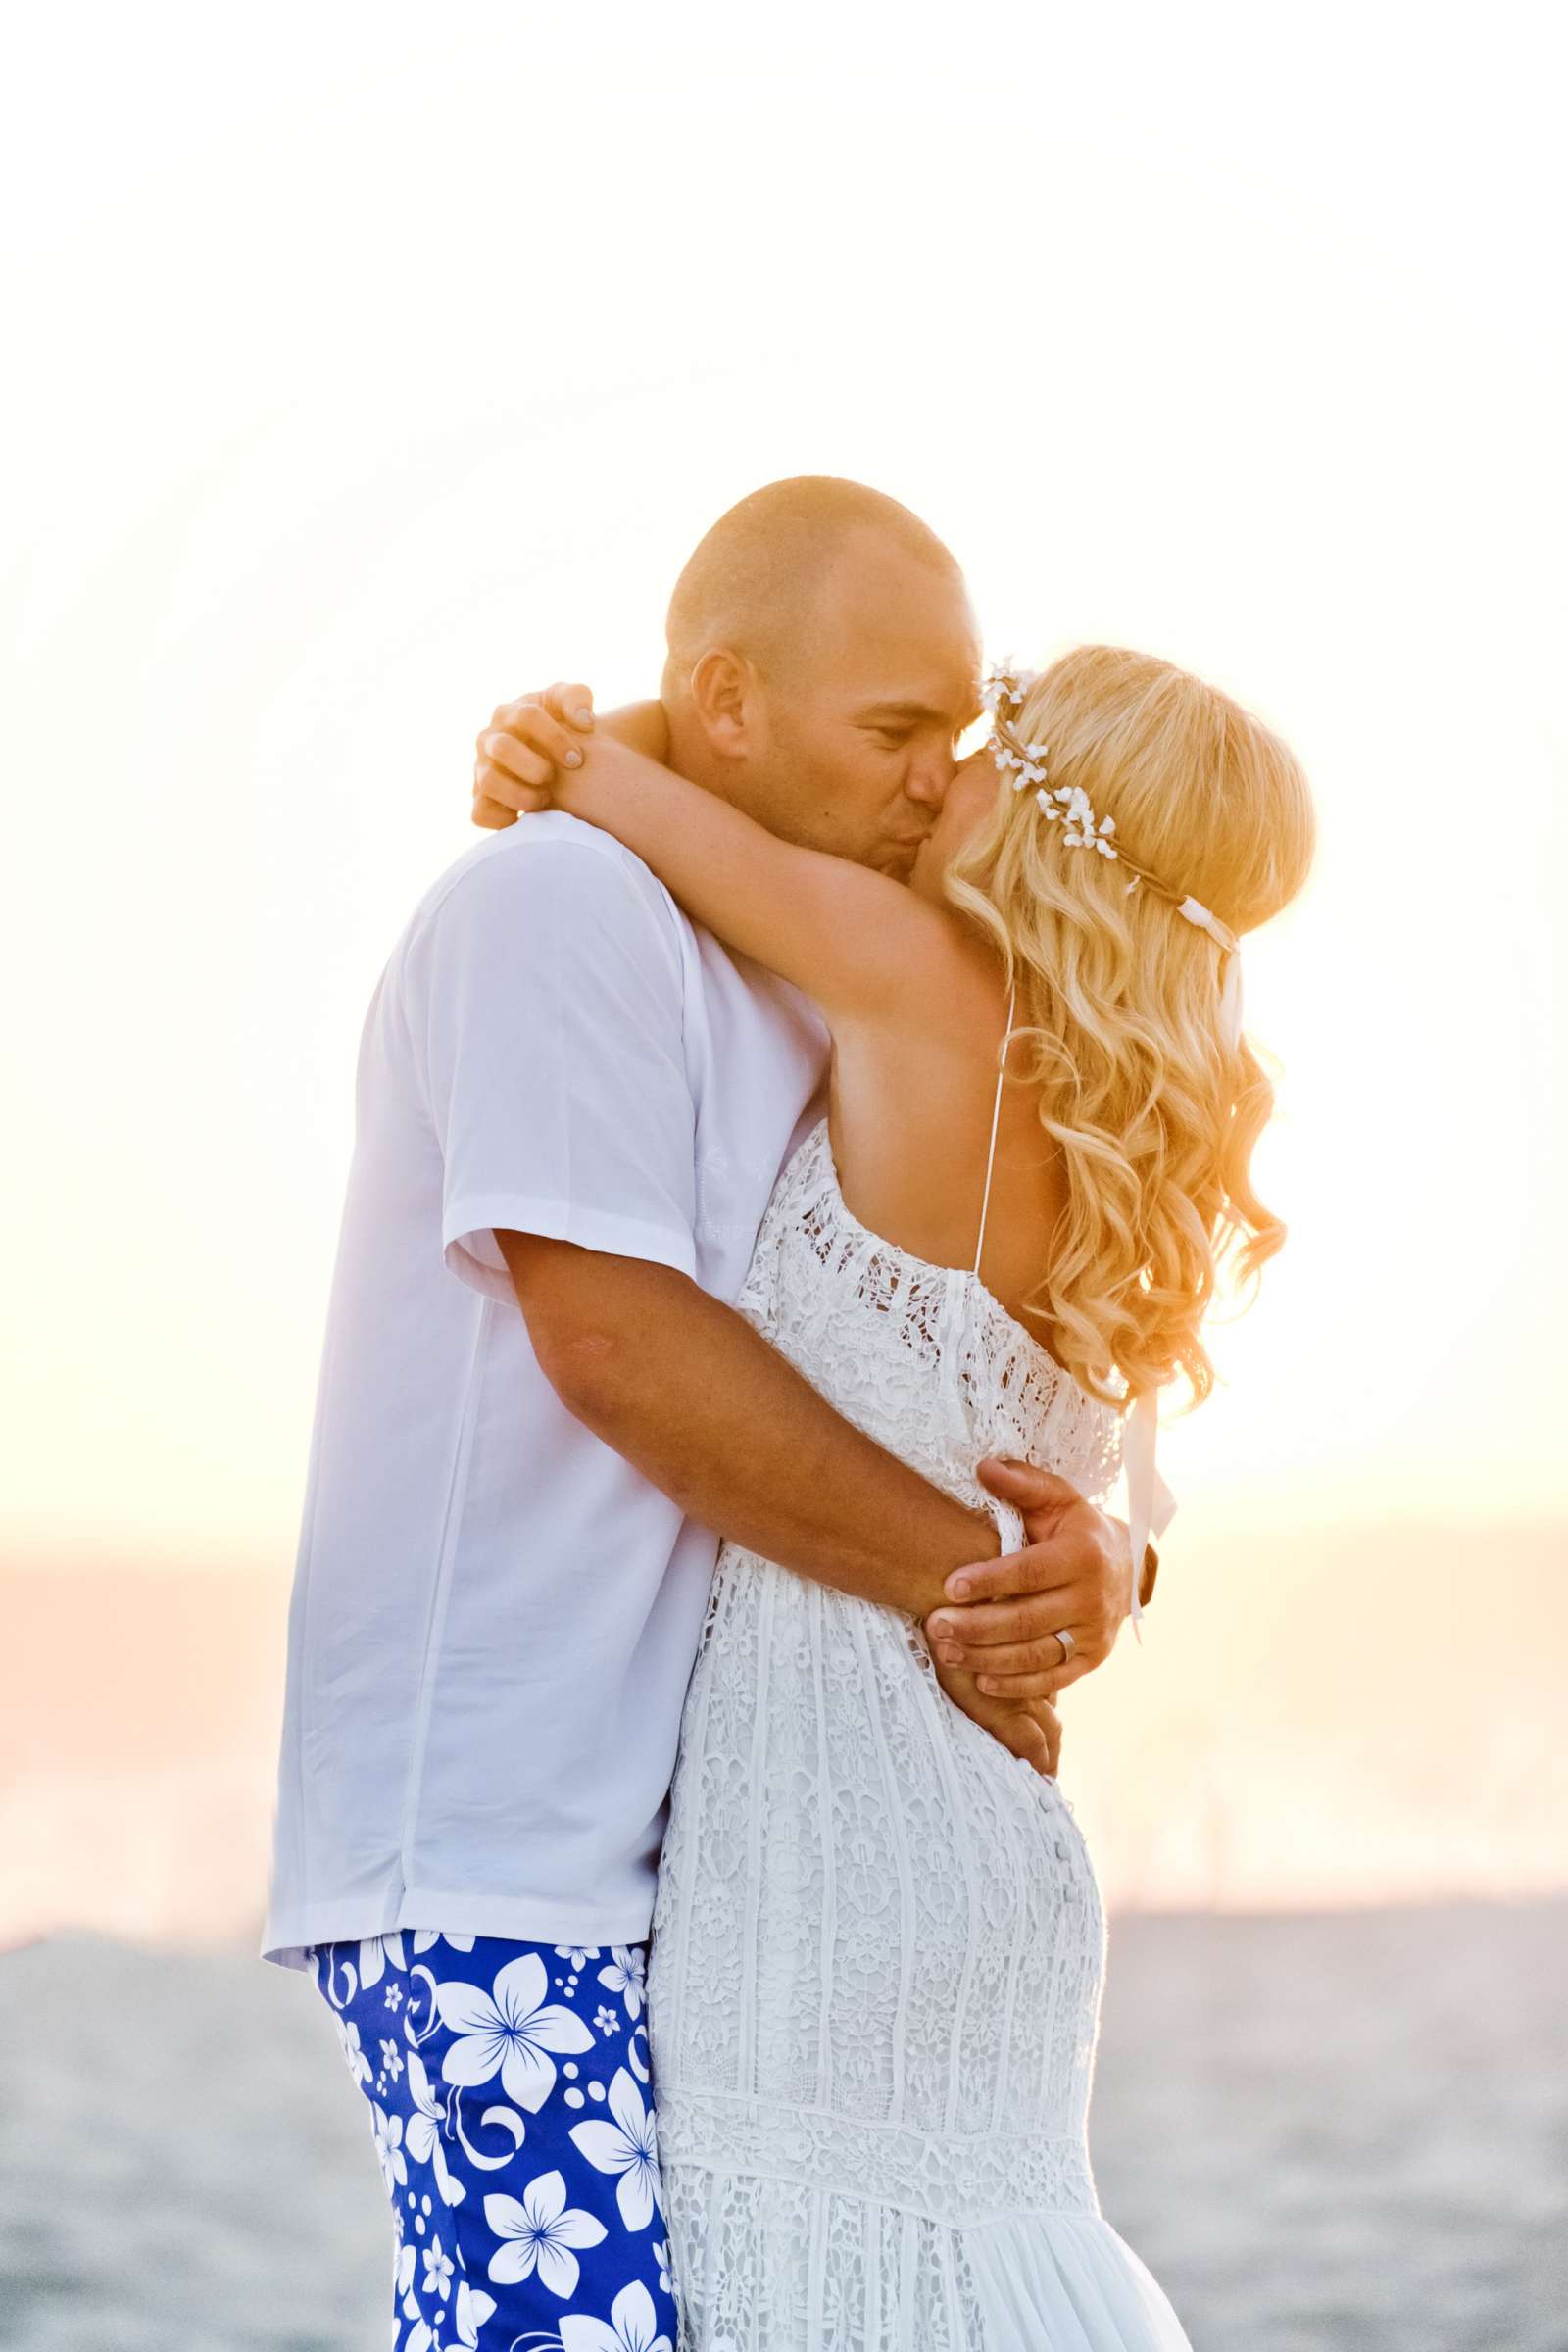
(556, 857)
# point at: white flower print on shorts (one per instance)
(513, 2118)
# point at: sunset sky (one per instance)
(378, 366)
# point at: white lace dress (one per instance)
(878, 1944)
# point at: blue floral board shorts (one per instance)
(512, 2108)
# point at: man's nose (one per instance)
(930, 775)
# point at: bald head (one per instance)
(757, 584)
(823, 660)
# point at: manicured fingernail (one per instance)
(582, 716)
(986, 1683)
(948, 1655)
(944, 1627)
(574, 760)
(958, 1588)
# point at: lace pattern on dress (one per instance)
(816, 1277)
(960, 2182)
(878, 1944)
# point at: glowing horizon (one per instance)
(1157, 379)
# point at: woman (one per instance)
(878, 1944)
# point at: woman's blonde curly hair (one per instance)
(1154, 1109)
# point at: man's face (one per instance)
(859, 737)
(971, 800)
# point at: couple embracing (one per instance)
(789, 1163)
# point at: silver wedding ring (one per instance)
(1069, 1644)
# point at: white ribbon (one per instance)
(1150, 1505)
(1230, 1000)
(955, 1304)
(1197, 912)
(1230, 995)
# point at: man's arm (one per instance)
(688, 1392)
(692, 1395)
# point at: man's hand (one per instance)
(1075, 1576)
(1030, 1729)
(516, 755)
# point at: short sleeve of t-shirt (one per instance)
(546, 1006)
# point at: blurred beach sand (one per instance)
(1333, 2102)
(1332, 2133)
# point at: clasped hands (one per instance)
(1000, 1621)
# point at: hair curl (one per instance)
(1155, 1111)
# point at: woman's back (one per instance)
(920, 1131)
(878, 1944)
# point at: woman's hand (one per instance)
(518, 754)
(1030, 1729)
(533, 745)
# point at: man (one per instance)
(575, 1103)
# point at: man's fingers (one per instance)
(1024, 1487)
(1035, 1742)
(1019, 1686)
(1049, 1723)
(1045, 1656)
(1040, 1569)
(985, 1625)
(1021, 1638)
(1033, 1685)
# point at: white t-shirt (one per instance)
(493, 1617)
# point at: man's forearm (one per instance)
(686, 1391)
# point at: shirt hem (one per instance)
(552, 1221)
(289, 1937)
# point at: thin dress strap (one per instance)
(996, 1117)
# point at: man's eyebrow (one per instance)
(917, 714)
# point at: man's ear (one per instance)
(726, 696)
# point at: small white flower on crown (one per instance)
(1006, 684)
(1070, 803)
(1023, 762)
(1027, 766)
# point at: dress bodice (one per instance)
(923, 1357)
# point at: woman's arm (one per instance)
(848, 936)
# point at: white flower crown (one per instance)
(1068, 805)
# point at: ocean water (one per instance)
(1337, 2132)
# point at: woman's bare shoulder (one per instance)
(931, 983)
